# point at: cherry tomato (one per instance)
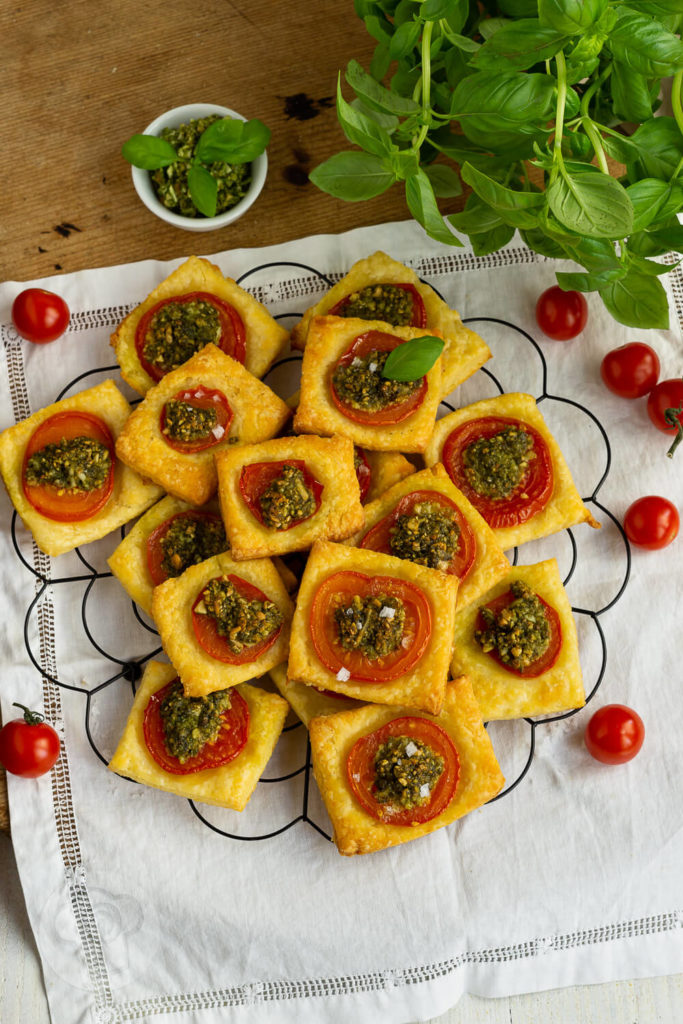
(419, 317)
(215, 645)
(40, 316)
(651, 522)
(230, 742)
(552, 651)
(257, 476)
(614, 734)
(382, 342)
(28, 746)
(665, 409)
(630, 371)
(360, 770)
(561, 315)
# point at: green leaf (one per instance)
(387, 121)
(376, 95)
(405, 39)
(572, 17)
(656, 243)
(433, 10)
(232, 141)
(379, 28)
(620, 147)
(361, 130)
(650, 267)
(465, 44)
(630, 94)
(637, 300)
(539, 242)
(594, 205)
(589, 282)
(661, 147)
(490, 26)
(519, 45)
(413, 359)
(516, 208)
(203, 189)
(519, 8)
(644, 45)
(477, 217)
(596, 254)
(505, 109)
(422, 204)
(444, 180)
(148, 152)
(380, 62)
(486, 242)
(653, 199)
(353, 176)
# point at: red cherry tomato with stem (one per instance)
(630, 371)
(651, 522)
(614, 734)
(40, 316)
(561, 315)
(665, 409)
(28, 746)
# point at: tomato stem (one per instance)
(672, 416)
(30, 717)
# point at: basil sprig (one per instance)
(228, 140)
(522, 100)
(412, 359)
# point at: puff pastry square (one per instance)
(564, 508)
(502, 693)
(264, 340)
(172, 603)
(257, 414)
(330, 462)
(489, 565)
(423, 685)
(329, 337)
(332, 737)
(131, 494)
(232, 784)
(465, 351)
(387, 468)
(307, 702)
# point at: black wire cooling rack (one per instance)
(129, 670)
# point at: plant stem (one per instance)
(426, 79)
(676, 99)
(558, 162)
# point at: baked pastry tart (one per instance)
(386, 469)
(62, 474)
(282, 495)
(195, 305)
(502, 456)
(343, 390)
(448, 768)
(207, 404)
(380, 288)
(373, 627)
(518, 645)
(223, 622)
(212, 749)
(307, 702)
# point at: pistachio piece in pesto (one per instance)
(360, 384)
(241, 622)
(495, 466)
(428, 535)
(189, 723)
(185, 422)
(371, 625)
(79, 464)
(178, 330)
(287, 499)
(406, 771)
(519, 633)
(385, 302)
(190, 540)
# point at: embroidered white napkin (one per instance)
(145, 906)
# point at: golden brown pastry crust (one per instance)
(421, 687)
(332, 737)
(564, 508)
(172, 612)
(387, 468)
(490, 564)
(330, 460)
(257, 414)
(131, 494)
(465, 351)
(503, 694)
(228, 786)
(329, 338)
(306, 701)
(264, 339)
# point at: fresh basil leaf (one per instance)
(507, 110)
(519, 8)
(203, 189)
(379, 27)
(232, 141)
(490, 26)
(595, 254)
(404, 163)
(578, 70)
(422, 205)
(520, 45)
(464, 43)
(476, 218)
(644, 45)
(405, 10)
(572, 17)
(433, 10)
(594, 205)
(653, 199)
(353, 176)
(387, 121)
(650, 267)
(405, 79)
(637, 300)
(413, 359)
(589, 282)
(361, 130)
(380, 62)
(445, 181)
(630, 94)
(539, 242)
(458, 14)
(576, 144)
(516, 208)
(405, 39)
(620, 147)
(661, 147)
(376, 95)
(148, 152)
(485, 242)
(658, 242)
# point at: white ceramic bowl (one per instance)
(143, 184)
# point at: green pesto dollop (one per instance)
(287, 499)
(170, 183)
(178, 330)
(380, 302)
(189, 723)
(428, 535)
(360, 383)
(242, 623)
(495, 466)
(371, 625)
(78, 465)
(185, 422)
(406, 771)
(190, 540)
(520, 632)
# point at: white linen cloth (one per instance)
(142, 910)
